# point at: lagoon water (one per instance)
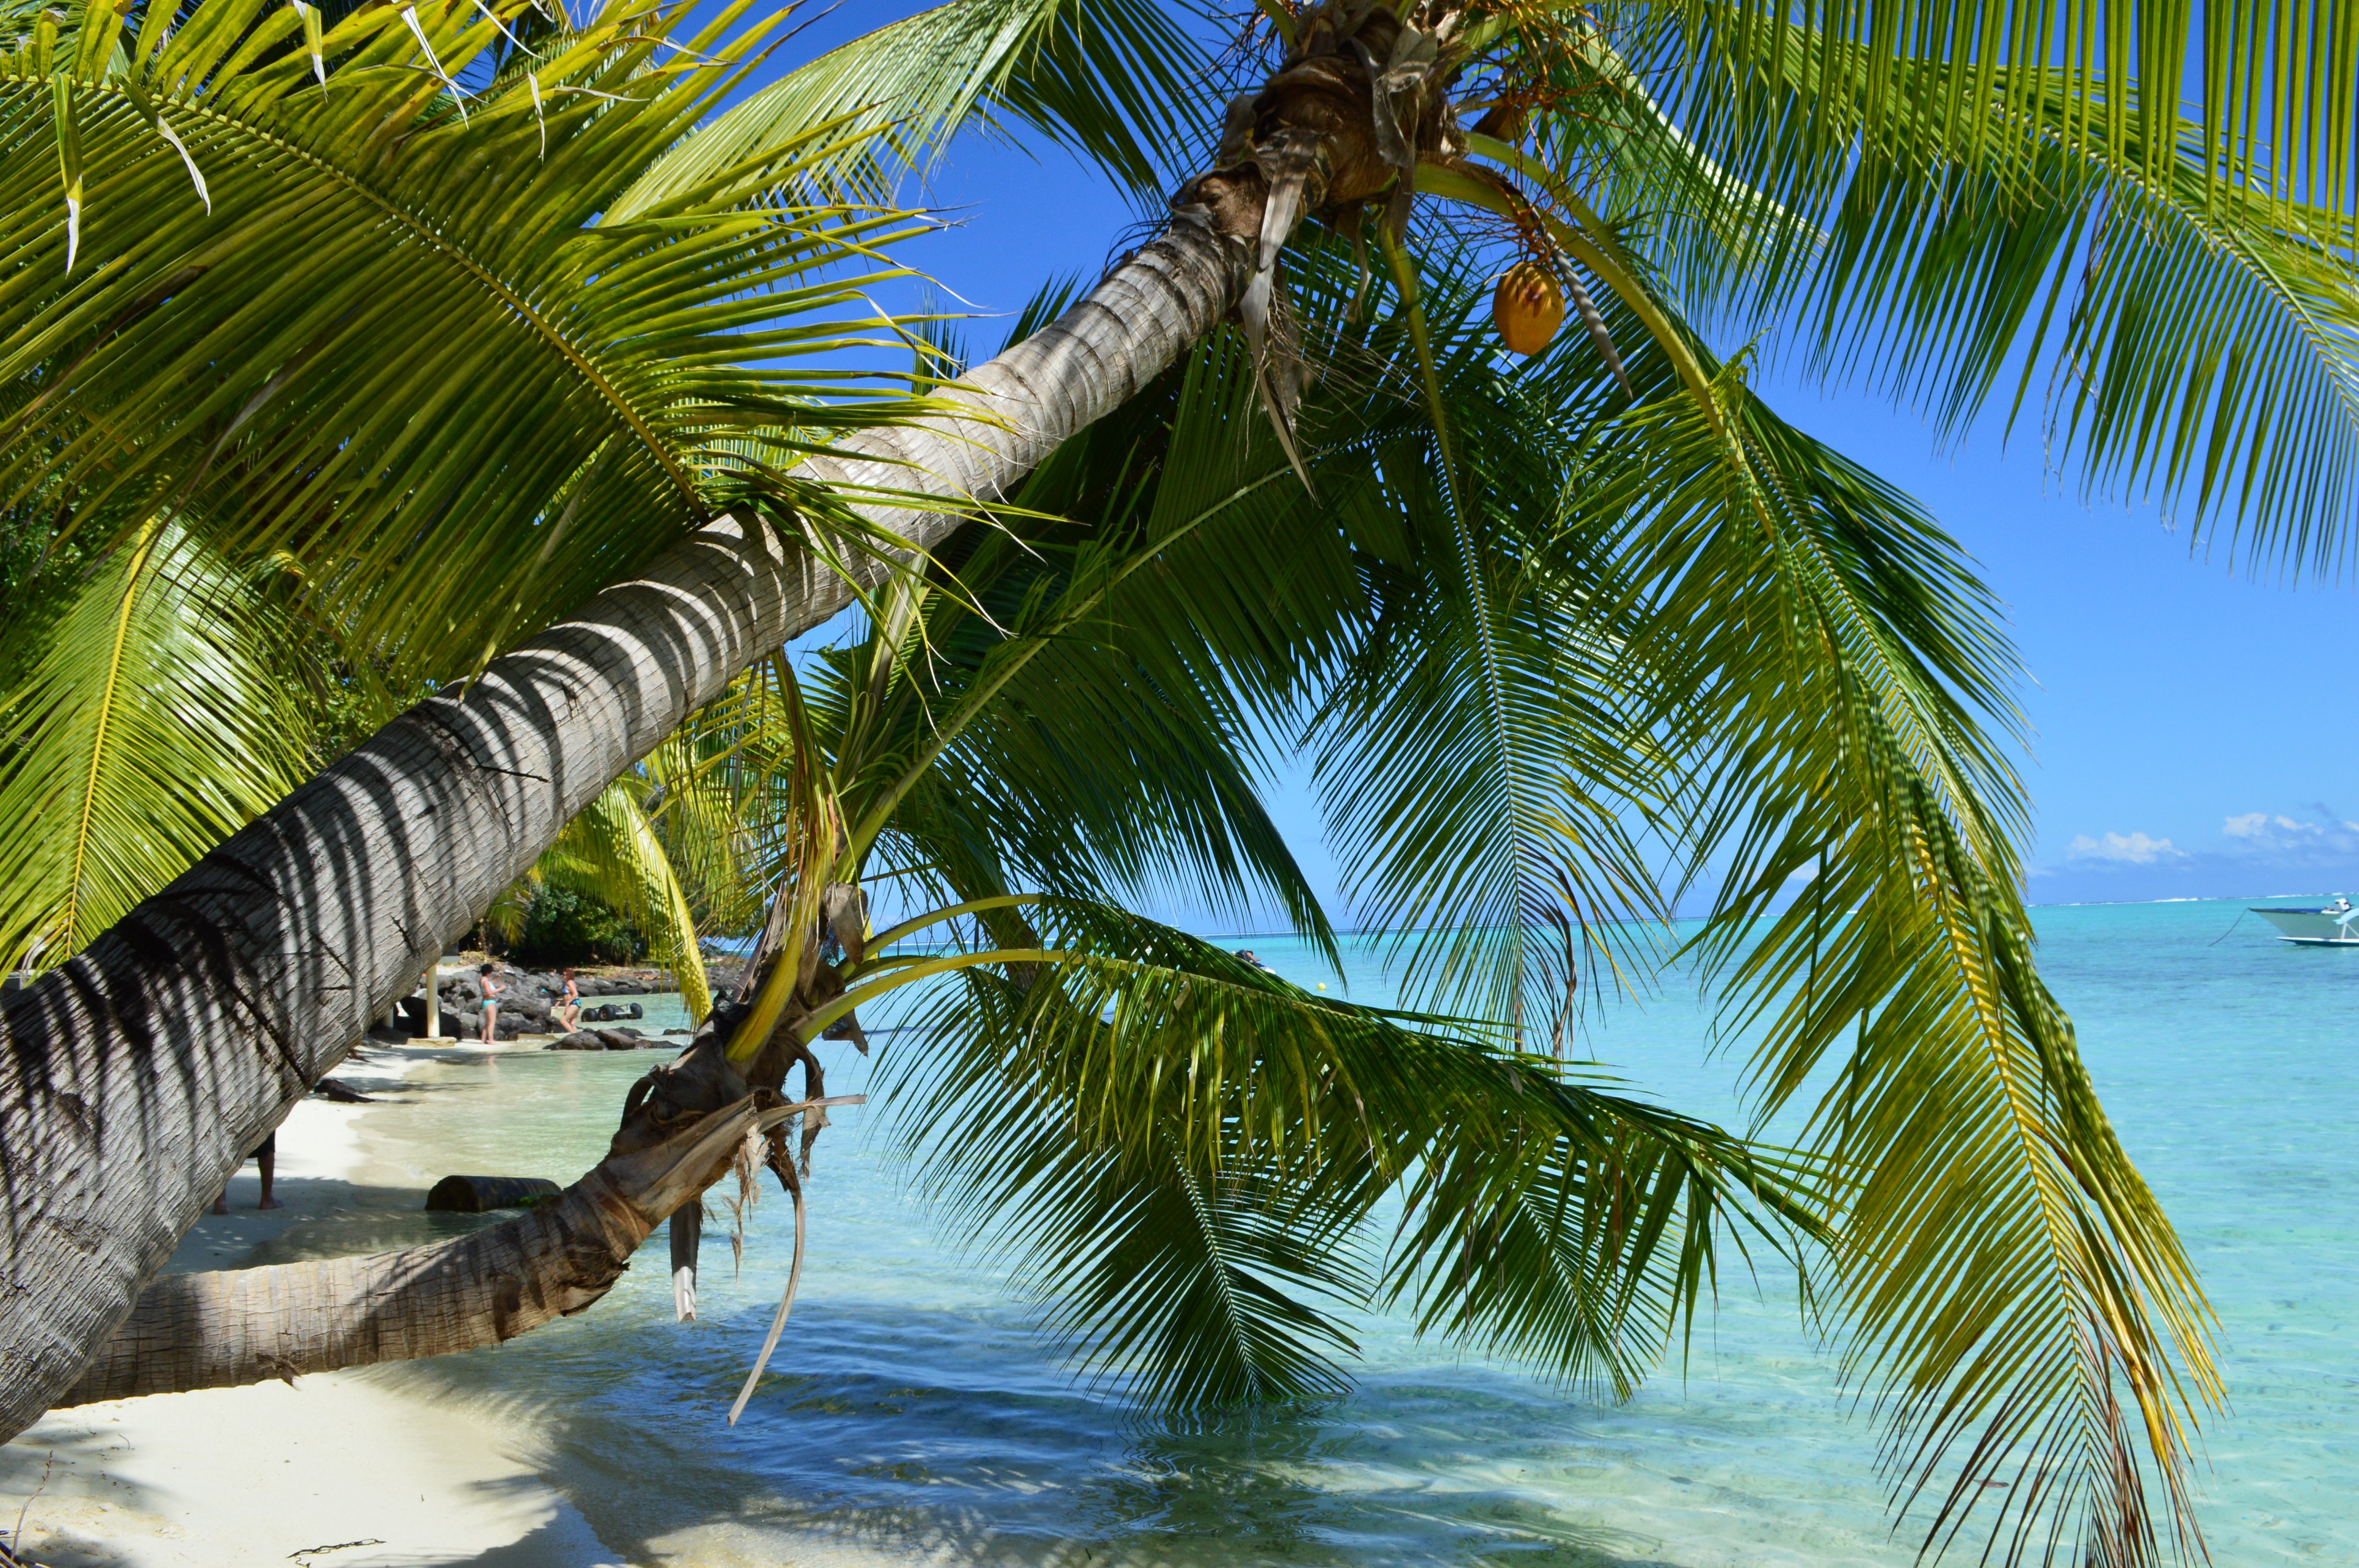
(913, 1416)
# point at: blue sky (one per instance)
(2191, 734)
(2193, 725)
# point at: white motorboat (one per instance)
(2336, 925)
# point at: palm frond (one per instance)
(2028, 217)
(703, 808)
(1798, 672)
(155, 718)
(2252, 80)
(1476, 752)
(1054, 707)
(443, 491)
(611, 850)
(1114, 80)
(1117, 759)
(2003, 1271)
(1197, 1147)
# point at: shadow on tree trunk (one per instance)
(227, 1328)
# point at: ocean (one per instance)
(914, 1415)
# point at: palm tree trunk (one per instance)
(229, 1327)
(134, 1077)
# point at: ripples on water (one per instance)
(911, 1415)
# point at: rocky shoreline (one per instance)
(526, 998)
(615, 1040)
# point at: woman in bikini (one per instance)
(568, 1006)
(491, 1005)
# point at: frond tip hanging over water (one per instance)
(1199, 1148)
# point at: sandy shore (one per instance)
(336, 1471)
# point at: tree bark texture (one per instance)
(136, 1078)
(229, 1327)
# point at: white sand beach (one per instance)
(335, 1471)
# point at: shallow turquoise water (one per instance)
(912, 1415)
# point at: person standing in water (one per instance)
(491, 1005)
(568, 1006)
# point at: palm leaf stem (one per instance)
(885, 938)
(926, 967)
(110, 693)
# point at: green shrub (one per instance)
(565, 927)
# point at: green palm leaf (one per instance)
(2004, 1269)
(1477, 750)
(1787, 670)
(1198, 1148)
(1111, 78)
(1050, 706)
(1113, 759)
(1980, 214)
(611, 850)
(155, 718)
(710, 795)
(411, 348)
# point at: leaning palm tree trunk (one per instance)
(135, 1076)
(225, 1328)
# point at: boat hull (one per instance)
(2313, 927)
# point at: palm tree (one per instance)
(1030, 720)
(1041, 767)
(1943, 186)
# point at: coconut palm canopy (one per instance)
(414, 326)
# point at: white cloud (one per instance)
(2134, 848)
(2275, 833)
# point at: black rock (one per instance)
(482, 1194)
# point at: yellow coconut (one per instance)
(1527, 309)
